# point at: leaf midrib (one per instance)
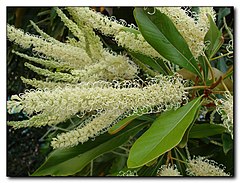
(171, 129)
(175, 47)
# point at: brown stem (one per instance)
(216, 83)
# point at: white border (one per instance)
(4, 4)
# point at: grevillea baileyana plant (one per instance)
(157, 101)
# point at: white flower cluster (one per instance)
(94, 80)
(200, 166)
(225, 109)
(86, 58)
(108, 99)
(111, 27)
(45, 84)
(192, 26)
(61, 52)
(88, 130)
(168, 171)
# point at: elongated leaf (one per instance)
(184, 140)
(205, 130)
(202, 62)
(227, 142)
(214, 37)
(63, 162)
(222, 13)
(151, 62)
(164, 134)
(162, 35)
(180, 166)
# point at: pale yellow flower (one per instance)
(200, 166)
(168, 171)
(225, 109)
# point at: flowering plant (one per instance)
(145, 107)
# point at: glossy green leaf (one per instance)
(159, 31)
(63, 162)
(157, 66)
(205, 130)
(184, 140)
(164, 134)
(214, 37)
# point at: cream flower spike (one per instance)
(193, 29)
(111, 27)
(160, 93)
(225, 109)
(200, 166)
(87, 131)
(74, 56)
(91, 96)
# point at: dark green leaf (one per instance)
(164, 134)
(222, 13)
(159, 31)
(180, 166)
(214, 37)
(227, 142)
(204, 66)
(221, 65)
(205, 130)
(118, 164)
(152, 170)
(63, 162)
(161, 68)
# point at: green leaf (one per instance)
(227, 142)
(202, 62)
(159, 31)
(164, 134)
(179, 155)
(63, 162)
(184, 140)
(214, 37)
(222, 13)
(222, 65)
(205, 130)
(158, 66)
(117, 165)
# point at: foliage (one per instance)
(157, 101)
